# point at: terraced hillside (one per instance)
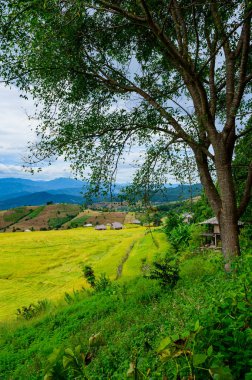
(45, 265)
(58, 216)
(96, 217)
(45, 217)
(12, 217)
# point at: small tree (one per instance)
(167, 274)
(89, 275)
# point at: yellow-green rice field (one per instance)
(44, 265)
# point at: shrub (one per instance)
(89, 275)
(167, 274)
(180, 236)
(102, 283)
(31, 311)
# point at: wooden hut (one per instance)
(212, 235)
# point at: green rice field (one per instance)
(44, 265)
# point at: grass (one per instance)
(133, 318)
(47, 264)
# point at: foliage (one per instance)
(165, 272)
(33, 310)
(172, 221)
(180, 236)
(89, 275)
(102, 283)
(202, 209)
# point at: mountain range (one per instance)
(15, 192)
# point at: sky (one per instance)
(16, 130)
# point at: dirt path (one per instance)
(124, 259)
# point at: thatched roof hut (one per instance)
(100, 227)
(116, 226)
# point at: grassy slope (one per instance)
(39, 265)
(133, 319)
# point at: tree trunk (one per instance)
(229, 236)
(227, 215)
(222, 202)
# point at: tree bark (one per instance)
(227, 215)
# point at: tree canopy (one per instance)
(173, 76)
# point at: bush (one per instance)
(167, 274)
(31, 311)
(89, 275)
(102, 283)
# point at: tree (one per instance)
(172, 75)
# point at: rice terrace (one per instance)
(45, 265)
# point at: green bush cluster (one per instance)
(181, 235)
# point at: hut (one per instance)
(212, 235)
(100, 227)
(187, 218)
(135, 221)
(116, 226)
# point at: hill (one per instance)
(41, 198)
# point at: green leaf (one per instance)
(77, 349)
(199, 359)
(66, 361)
(165, 354)
(163, 344)
(54, 356)
(48, 376)
(197, 326)
(69, 352)
(221, 373)
(209, 350)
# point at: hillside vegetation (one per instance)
(58, 216)
(137, 329)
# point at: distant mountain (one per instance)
(9, 186)
(177, 193)
(15, 192)
(39, 198)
